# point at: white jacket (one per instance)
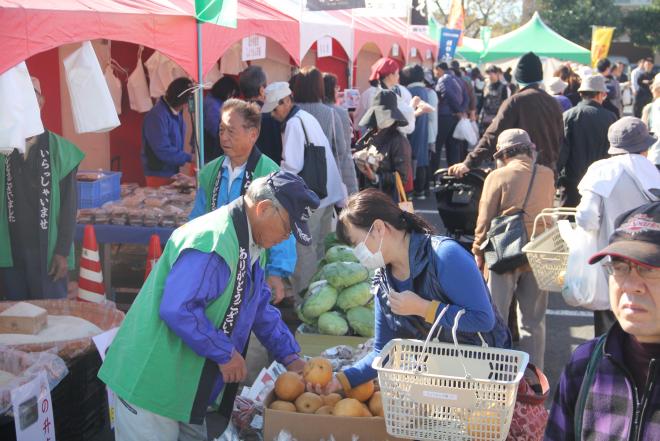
(293, 154)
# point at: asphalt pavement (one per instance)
(566, 326)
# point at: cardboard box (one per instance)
(23, 318)
(306, 427)
(313, 344)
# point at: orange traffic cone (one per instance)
(90, 282)
(153, 255)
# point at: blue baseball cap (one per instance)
(298, 201)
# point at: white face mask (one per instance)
(371, 261)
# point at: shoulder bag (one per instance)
(315, 168)
(506, 238)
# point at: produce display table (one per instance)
(121, 234)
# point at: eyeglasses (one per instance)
(622, 268)
(287, 226)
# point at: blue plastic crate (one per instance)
(96, 193)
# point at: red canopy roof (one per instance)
(168, 26)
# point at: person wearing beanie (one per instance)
(164, 134)
(531, 109)
(615, 185)
(585, 137)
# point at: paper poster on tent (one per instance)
(395, 50)
(383, 8)
(429, 54)
(33, 410)
(254, 48)
(448, 43)
(329, 5)
(324, 47)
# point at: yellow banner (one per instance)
(601, 38)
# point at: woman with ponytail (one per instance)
(418, 274)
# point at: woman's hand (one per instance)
(367, 171)
(333, 386)
(408, 303)
(479, 259)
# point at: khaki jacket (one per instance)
(504, 192)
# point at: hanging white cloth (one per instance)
(91, 102)
(138, 89)
(114, 86)
(20, 117)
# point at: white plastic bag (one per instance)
(465, 132)
(114, 86)
(585, 285)
(138, 89)
(20, 117)
(91, 102)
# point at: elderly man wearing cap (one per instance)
(532, 110)
(517, 184)
(585, 136)
(181, 341)
(299, 129)
(609, 390)
(615, 185)
(38, 203)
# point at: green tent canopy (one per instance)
(470, 50)
(537, 37)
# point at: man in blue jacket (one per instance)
(163, 134)
(450, 106)
(226, 178)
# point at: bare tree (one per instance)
(501, 15)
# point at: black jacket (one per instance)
(585, 139)
(397, 158)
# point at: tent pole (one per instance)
(199, 123)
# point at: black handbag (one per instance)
(315, 169)
(506, 238)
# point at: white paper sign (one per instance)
(102, 342)
(254, 48)
(429, 54)
(33, 410)
(395, 50)
(324, 47)
(413, 51)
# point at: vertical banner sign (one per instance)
(601, 38)
(395, 50)
(102, 342)
(253, 48)
(413, 51)
(220, 12)
(448, 43)
(324, 47)
(484, 33)
(33, 410)
(456, 19)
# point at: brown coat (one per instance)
(532, 110)
(504, 192)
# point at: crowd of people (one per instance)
(285, 166)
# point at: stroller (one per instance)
(458, 203)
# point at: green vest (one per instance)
(147, 364)
(208, 175)
(64, 157)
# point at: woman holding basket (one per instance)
(418, 275)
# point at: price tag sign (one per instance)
(395, 50)
(102, 342)
(33, 410)
(324, 47)
(429, 54)
(413, 51)
(253, 48)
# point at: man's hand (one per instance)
(459, 170)
(296, 366)
(333, 386)
(479, 259)
(235, 370)
(473, 115)
(276, 288)
(407, 303)
(58, 267)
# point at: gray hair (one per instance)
(261, 190)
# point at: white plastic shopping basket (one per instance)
(547, 254)
(448, 392)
